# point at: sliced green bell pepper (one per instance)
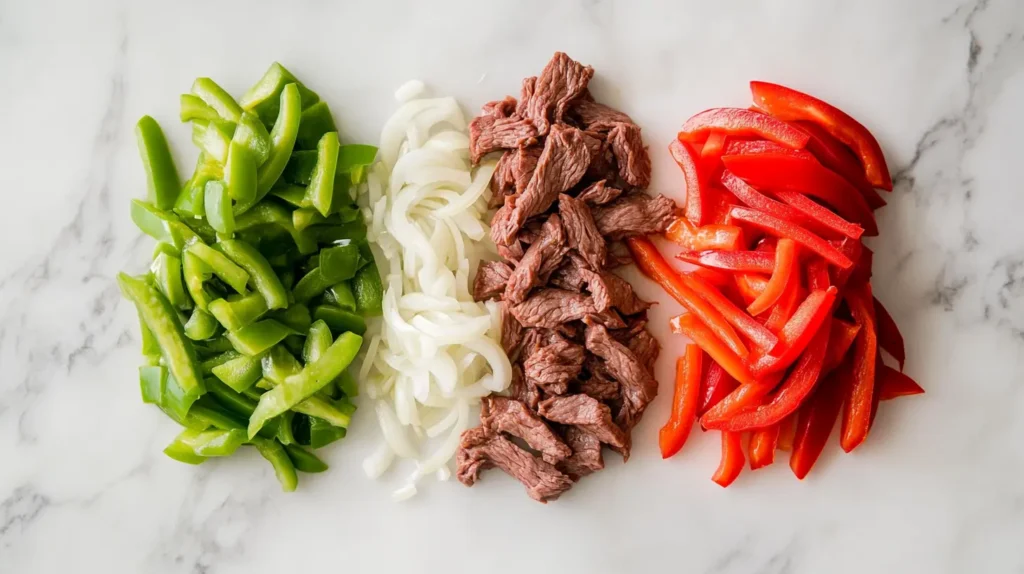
(196, 272)
(368, 291)
(240, 373)
(295, 316)
(200, 325)
(253, 135)
(290, 193)
(194, 447)
(304, 460)
(240, 173)
(271, 213)
(213, 137)
(265, 97)
(340, 294)
(303, 217)
(161, 176)
(161, 225)
(320, 192)
(194, 108)
(218, 99)
(284, 430)
(340, 320)
(318, 340)
(220, 265)
(217, 203)
(323, 433)
(278, 458)
(264, 279)
(238, 311)
(167, 276)
(207, 366)
(353, 159)
(300, 168)
(316, 121)
(259, 337)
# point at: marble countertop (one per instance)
(937, 488)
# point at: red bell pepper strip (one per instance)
(763, 443)
(854, 250)
(840, 340)
(797, 333)
(817, 274)
(689, 325)
(744, 323)
(824, 216)
(651, 263)
(857, 414)
(783, 228)
(684, 402)
(787, 432)
(716, 386)
(834, 155)
(744, 397)
(745, 261)
(782, 172)
(787, 398)
(741, 147)
(862, 269)
(717, 202)
(688, 161)
(750, 286)
(689, 236)
(889, 336)
(786, 305)
(893, 384)
(757, 200)
(732, 459)
(788, 104)
(785, 266)
(741, 122)
(814, 424)
(714, 277)
(712, 151)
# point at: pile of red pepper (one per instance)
(786, 332)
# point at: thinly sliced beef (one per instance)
(609, 318)
(480, 449)
(602, 160)
(500, 414)
(599, 387)
(522, 390)
(581, 231)
(599, 193)
(610, 290)
(551, 307)
(638, 386)
(511, 331)
(540, 260)
(597, 117)
(586, 453)
(568, 276)
(618, 255)
(488, 133)
(525, 95)
(503, 182)
(585, 412)
(645, 347)
(630, 154)
(491, 279)
(500, 108)
(562, 81)
(634, 214)
(525, 163)
(551, 367)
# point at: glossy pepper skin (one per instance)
(732, 461)
(706, 237)
(745, 261)
(700, 334)
(860, 391)
(685, 401)
(689, 162)
(814, 424)
(320, 191)
(717, 385)
(742, 122)
(161, 176)
(797, 333)
(757, 333)
(763, 443)
(262, 275)
(786, 260)
(783, 228)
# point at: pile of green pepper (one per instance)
(256, 299)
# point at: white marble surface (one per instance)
(937, 488)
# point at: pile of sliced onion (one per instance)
(435, 352)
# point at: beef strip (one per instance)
(630, 154)
(529, 86)
(511, 331)
(568, 275)
(561, 165)
(609, 318)
(586, 453)
(541, 258)
(618, 255)
(599, 193)
(503, 182)
(551, 307)
(490, 280)
(488, 133)
(610, 290)
(645, 347)
(585, 412)
(581, 231)
(599, 386)
(638, 387)
(525, 164)
(561, 82)
(480, 449)
(501, 414)
(523, 390)
(513, 252)
(602, 160)
(500, 108)
(634, 214)
(597, 117)
(551, 367)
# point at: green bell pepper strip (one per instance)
(264, 279)
(220, 265)
(150, 346)
(284, 430)
(253, 135)
(264, 98)
(271, 213)
(323, 433)
(320, 192)
(295, 316)
(355, 230)
(207, 366)
(227, 410)
(214, 346)
(303, 217)
(278, 365)
(259, 337)
(340, 320)
(238, 312)
(217, 202)
(340, 294)
(353, 159)
(311, 285)
(194, 108)
(316, 121)
(277, 456)
(318, 340)
(162, 321)
(218, 99)
(339, 262)
(240, 173)
(368, 291)
(167, 275)
(208, 412)
(161, 225)
(347, 384)
(311, 379)
(152, 380)
(194, 447)
(200, 325)
(304, 460)
(240, 373)
(299, 170)
(196, 272)
(290, 193)
(294, 344)
(162, 247)
(282, 142)
(162, 179)
(213, 137)
(230, 399)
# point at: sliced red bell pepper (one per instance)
(651, 263)
(716, 386)
(788, 104)
(684, 402)
(689, 325)
(786, 305)
(817, 274)
(854, 250)
(712, 152)
(787, 398)
(714, 277)
(797, 333)
(834, 155)
(893, 384)
(839, 342)
(782, 172)
(740, 147)
(763, 443)
(732, 459)
(745, 261)
(744, 323)
(717, 202)
(757, 200)
(814, 424)
(785, 266)
(784, 228)
(857, 414)
(744, 397)
(750, 286)
(889, 336)
(741, 122)
(688, 161)
(689, 236)
(787, 432)
(823, 215)
(862, 269)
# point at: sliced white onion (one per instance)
(409, 90)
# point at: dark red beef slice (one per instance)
(609, 318)
(525, 95)
(646, 348)
(480, 449)
(512, 252)
(561, 165)
(511, 331)
(562, 81)
(634, 325)
(491, 279)
(523, 390)
(551, 367)
(586, 455)
(602, 160)
(610, 290)
(631, 155)
(634, 214)
(597, 117)
(500, 414)
(541, 258)
(618, 255)
(551, 307)
(525, 163)
(599, 193)
(598, 386)
(581, 231)
(500, 108)
(568, 276)
(585, 412)
(503, 182)
(488, 133)
(638, 387)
